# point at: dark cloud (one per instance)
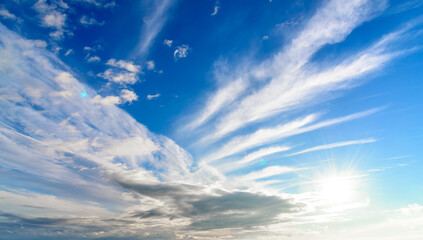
(160, 190)
(206, 211)
(239, 209)
(24, 221)
(153, 213)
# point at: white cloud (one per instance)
(52, 17)
(101, 3)
(128, 96)
(168, 42)
(125, 72)
(412, 209)
(91, 59)
(215, 8)
(87, 21)
(153, 24)
(268, 135)
(34, 43)
(268, 172)
(69, 52)
(284, 71)
(4, 13)
(107, 101)
(150, 65)
(153, 96)
(129, 66)
(223, 97)
(334, 145)
(252, 157)
(181, 52)
(121, 77)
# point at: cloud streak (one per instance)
(334, 145)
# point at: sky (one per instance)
(212, 119)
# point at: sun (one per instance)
(336, 189)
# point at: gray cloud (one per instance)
(219, 209)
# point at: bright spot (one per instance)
(336, 189)
(83, 94)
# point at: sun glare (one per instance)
(336, 189)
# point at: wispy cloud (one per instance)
(334, 145)
(4, 13)
(69, 52)
(215, 8)
(287, 75)
(268, 172)
(223, 97)
(153, 24)
(251, 158)
(268, 135)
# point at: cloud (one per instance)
(268, 135)
(127, 65)
(125, 72)
(268, 172)
(69, 52)
(285, 72)
(181, 52)
(150, 65)
(52, 17)
(153, 24)
(411, 209)
(107, 101)
(128, 96)
(252, 157)
(168, 42)
(153, 96)
(119, 77)
(224, 210)
(334, 145)
(223, 97)
(91, 59)
(239, 209)
(86, 21)
(33, 43)
(215, 8)
(4, 13)
(100, 3)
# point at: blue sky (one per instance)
(184, 119)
